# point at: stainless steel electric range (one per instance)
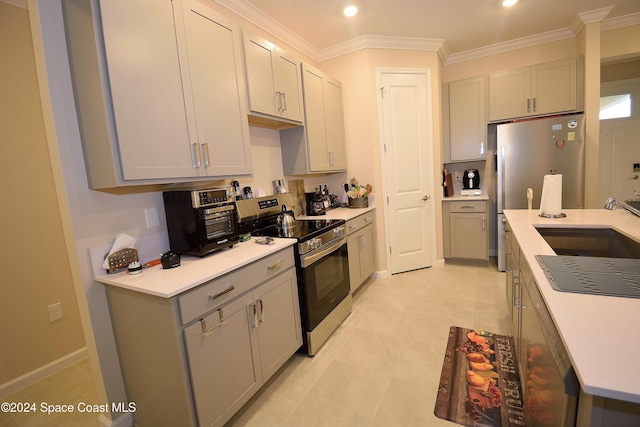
(322, 264)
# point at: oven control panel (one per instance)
(215, 196)
(326, 237)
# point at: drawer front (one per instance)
(470, 206)
(358, 222)
(218, 291)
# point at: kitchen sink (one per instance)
(590, 242)
(634, 203)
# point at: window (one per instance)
(615, 107)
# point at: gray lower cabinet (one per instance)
(360, 249)
(513, 290)
(197, 358)
(466, 230)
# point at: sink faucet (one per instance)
(612, 203)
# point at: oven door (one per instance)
(324, 281)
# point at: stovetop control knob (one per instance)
(338, 231)
(316, 242)
(312, 243)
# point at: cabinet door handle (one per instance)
(482, 148)
(279, 101)
(205, 154)
(284, 101)
(195, 155)
(484, 220)
(261, 311)
(253, 315)
(206, 330)
(528, 105)
(275, 266)
(330, 154)
(467, 206)
(219, 294)
(534, 104)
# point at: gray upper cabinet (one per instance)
(465, 112)
(319, 146)
(538, 90)
(274, 82)
(159, 91)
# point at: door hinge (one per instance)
(390, 250)
(382, 91)
(387, 199)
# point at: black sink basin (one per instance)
(590, 242)
(634, 203)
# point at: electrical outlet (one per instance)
(153, 219)
(55, 311)
(457, 176)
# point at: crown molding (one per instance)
(261, 20)
(520, 43)
(257, 17)
(382, 42)
(589, 17)
(621, 21)
(18, 3)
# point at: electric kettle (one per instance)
(286, 223)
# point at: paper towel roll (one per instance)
(551, 200)
(122, 241)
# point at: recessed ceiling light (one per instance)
(350, 10)
(507, 3)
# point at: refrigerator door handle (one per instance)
(501, 176)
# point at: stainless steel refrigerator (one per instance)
(526, 152)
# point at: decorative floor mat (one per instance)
(479, 383)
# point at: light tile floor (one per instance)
(380, 368)
(69, 386)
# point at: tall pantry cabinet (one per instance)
(159, 91)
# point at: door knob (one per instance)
(425, 198)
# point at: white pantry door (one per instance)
(405, 104)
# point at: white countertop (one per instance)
(194, 271)
(599, 332)
(339, 213)
(458, 198)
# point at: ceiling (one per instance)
(458, 25)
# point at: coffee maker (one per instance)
(471, 183)
(315, 204)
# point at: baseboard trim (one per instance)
(42, 372)
(124, 420)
